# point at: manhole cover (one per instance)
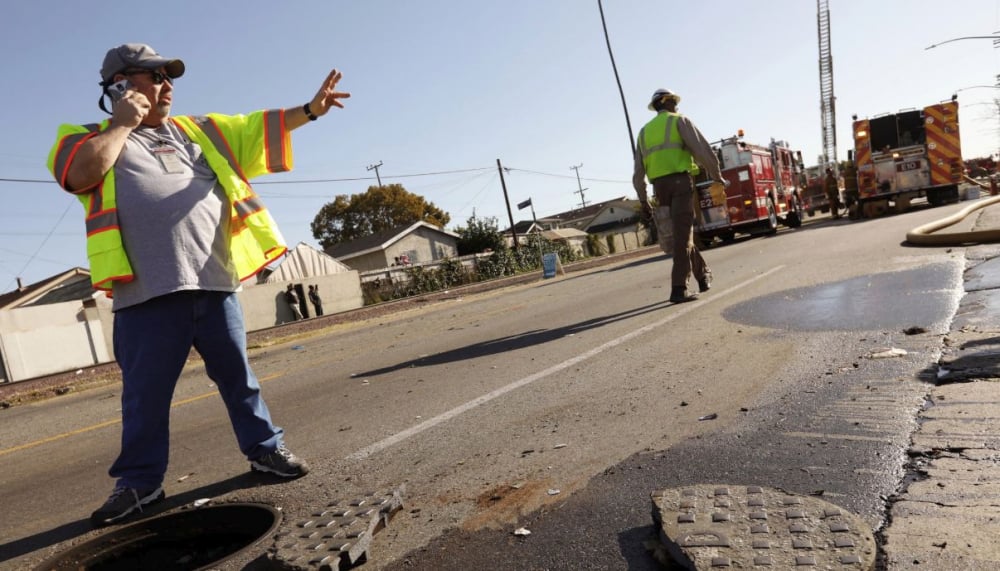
(337, 535)
(188, 539)
(718, 526)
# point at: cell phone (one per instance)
(117, 90)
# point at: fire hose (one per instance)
(924, 235)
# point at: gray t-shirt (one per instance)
(174, 218)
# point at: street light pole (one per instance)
(995, 38)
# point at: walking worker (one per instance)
(315, 299)
(172, 227)
(832, 192)
(669, 149)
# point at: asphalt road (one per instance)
(558, 405)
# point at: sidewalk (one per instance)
(947, 516)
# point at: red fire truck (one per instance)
(901, 156)
(763, 191)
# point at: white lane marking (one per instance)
(432, 422)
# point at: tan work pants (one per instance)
(675, 214)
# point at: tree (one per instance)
(478, 235)
(378, 209)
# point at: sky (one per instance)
(442, 89)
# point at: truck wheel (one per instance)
(811, 212)
(703, 242)
(771, 225)
(934, 198)
(794, 217)
(729, 237)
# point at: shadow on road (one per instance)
(71, 530)
(514, 342)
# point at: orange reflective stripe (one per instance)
(68, 147)
(274, 148)
(107, 220)
(96, 202)
(248, 206)
(214, 134)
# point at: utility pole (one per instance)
(506, 200)
(583, 199)
(607, 40)
(375, 168)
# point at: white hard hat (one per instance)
(661, 93)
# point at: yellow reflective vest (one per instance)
(663, 150)
(237, 148)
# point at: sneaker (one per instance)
(281, 462)
(122, 502)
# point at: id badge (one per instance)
(169, 160)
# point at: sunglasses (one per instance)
(155, 76)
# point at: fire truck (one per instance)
(763, 191)
(814, 194)
(905, 155)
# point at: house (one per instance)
(611, 216)
(575, 239)
(416, 243)
(522, 229)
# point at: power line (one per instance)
(568, 176)
(28, 180)
(40, 246)
(305, 181)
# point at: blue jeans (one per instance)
(152, 341)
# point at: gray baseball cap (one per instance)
(138, 55)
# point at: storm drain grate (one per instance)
(337, 535)
(725, 526)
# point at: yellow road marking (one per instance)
(107, 423)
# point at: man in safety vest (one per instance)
(666, 153)
(172, 227)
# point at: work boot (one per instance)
(679, 294)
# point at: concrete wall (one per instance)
(626, 240)
(264, 304)
(41, 340)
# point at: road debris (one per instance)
(522, 531)
(888, 353)
(712, 416)
(554, 492)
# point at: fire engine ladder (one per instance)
(827, 100)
